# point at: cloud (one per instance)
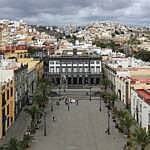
(49, 12)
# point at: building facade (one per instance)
(140, 107)
(20, 80)
(73, 70)
(7, 105)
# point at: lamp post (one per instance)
(59, 91)
(108, 129)
(108, 119)
(44, 123)
(100, 103)
(90, 94)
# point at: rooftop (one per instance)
(31, 62)
(145, 94)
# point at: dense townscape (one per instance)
(40, 64)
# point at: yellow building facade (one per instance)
(34, 64)
(6, 106)
(39, 70)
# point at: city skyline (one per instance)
(53, 12)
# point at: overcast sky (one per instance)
(50, 12)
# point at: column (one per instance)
(83, 80)
(72, 80)
(77, 80)
(94, 80)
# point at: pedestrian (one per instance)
(68, 107)
(53, 118)
(66, 101)
(77, 102)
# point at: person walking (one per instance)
(77, 102)
(66, 101)
(68, 107)
(53, 118)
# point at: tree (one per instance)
(105, 83)
(106, 97)
(113, 98)
(126, 121)
(141, 137)
(39, 99)
(13, 144)
(33, 112)
(42, 93)
(143, 55)
(25, 143)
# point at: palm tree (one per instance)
(39, 99)
(126, 121)
(42, 92)
(113, 98)
(25, 143)
(33, 112)
(121, 115)
(141, 137)
(106, 97)
(13, 144)
(105, 83)
(44, 87)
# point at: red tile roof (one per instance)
(145, 94)
(141, 79)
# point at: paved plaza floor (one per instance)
(81, 128)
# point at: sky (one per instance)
(56, 12)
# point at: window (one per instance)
(97, 69)
(11, 91)
(57, 62)
(7, 94)
(69, 69)
(63, 69)
(7, 109)
(52, 69)
(80, 69)
(57, 69)
(92, 62)
(92, 69)
(74, 69)
(97, 62)
(86, 69)
(51, 62)
(8, 122)
(3, 99)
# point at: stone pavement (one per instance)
(81, 128)
(18, 128)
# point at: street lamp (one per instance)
(59, 91)
(44, 123)
(90, 93)
(108, 113)
(108, 119)
(100, 101)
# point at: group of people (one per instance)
(69, 101)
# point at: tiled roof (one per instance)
(145, 94)
(141, 79)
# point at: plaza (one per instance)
(81, 128)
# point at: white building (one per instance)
(140, 107)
